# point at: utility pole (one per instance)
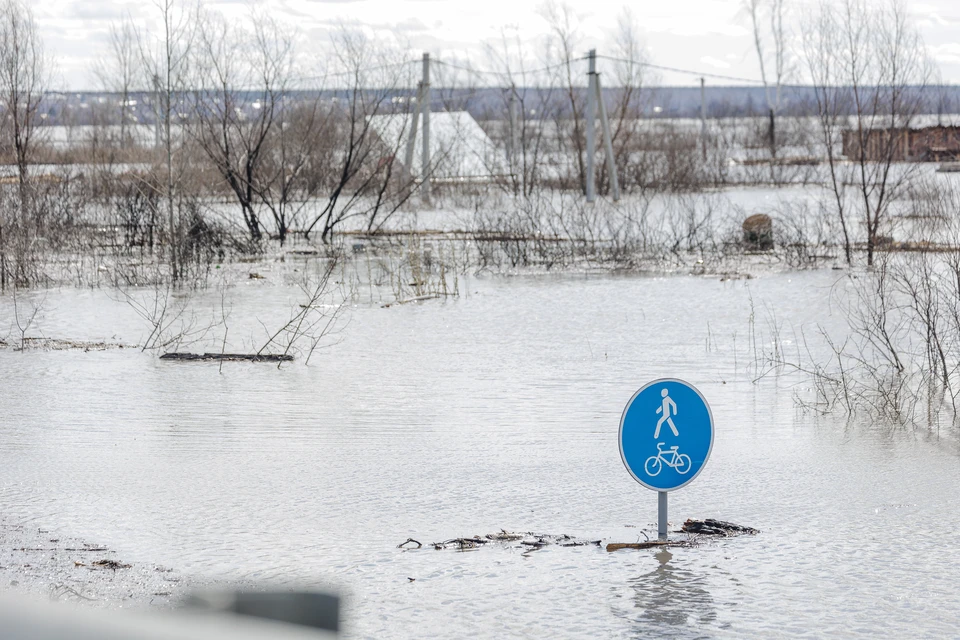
(514, 138)
(591, 123)
(773, 135)
(703, 116)
(156, 111)
(425, 156)
(412, 135)
(607, 141)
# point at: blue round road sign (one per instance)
(666, 434)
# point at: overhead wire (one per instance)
(525, 72)
(700, 74)
(507, 73)
(340, 74)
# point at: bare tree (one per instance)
(562, 46)
(24, 74)
(374, 75)
(165, 61)
(630, 76)
(871, 63)
(526, 106)
(240, 78)
(120, 71)
(770, 43)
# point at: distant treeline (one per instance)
(487, 103)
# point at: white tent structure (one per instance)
(459, 149)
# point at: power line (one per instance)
(467, 69)
(341, 74)
(524, 72)
(501, 74)
(649, 65)
(699, 74)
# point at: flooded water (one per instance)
(498, 409)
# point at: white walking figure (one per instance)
(665, 410)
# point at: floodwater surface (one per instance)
(498, 409)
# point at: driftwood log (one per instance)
(650, 544)
(249, 357)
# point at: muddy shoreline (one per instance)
(40, 562)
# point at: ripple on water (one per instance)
(498, 410)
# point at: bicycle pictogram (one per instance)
(671, 457)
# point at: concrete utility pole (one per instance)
(412, 135)
(425, 157)
(607, 141)
(703, 116)
(591, 123)
(513, 145)
(156, 111)
(512, 115)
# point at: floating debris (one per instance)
(111, 564)
(713, 527)
(505, 536)
(409, 540)
(529, 541)
(251, 357)
(431, 296)
(461, 543)
(57, 344)
(649, 544)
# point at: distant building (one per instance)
(935, 143)
(459, 147)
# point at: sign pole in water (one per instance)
(662, 515)
(666, 436)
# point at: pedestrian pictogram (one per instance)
(665, 410)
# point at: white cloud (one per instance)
(693, 34)
(716, 63)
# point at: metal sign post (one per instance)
(666, 436)
(662, 515)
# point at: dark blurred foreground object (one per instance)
(306, 608)
(233, 616)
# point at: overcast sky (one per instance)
(703, 35)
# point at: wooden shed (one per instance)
(936, 143)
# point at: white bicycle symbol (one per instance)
(679, 461)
